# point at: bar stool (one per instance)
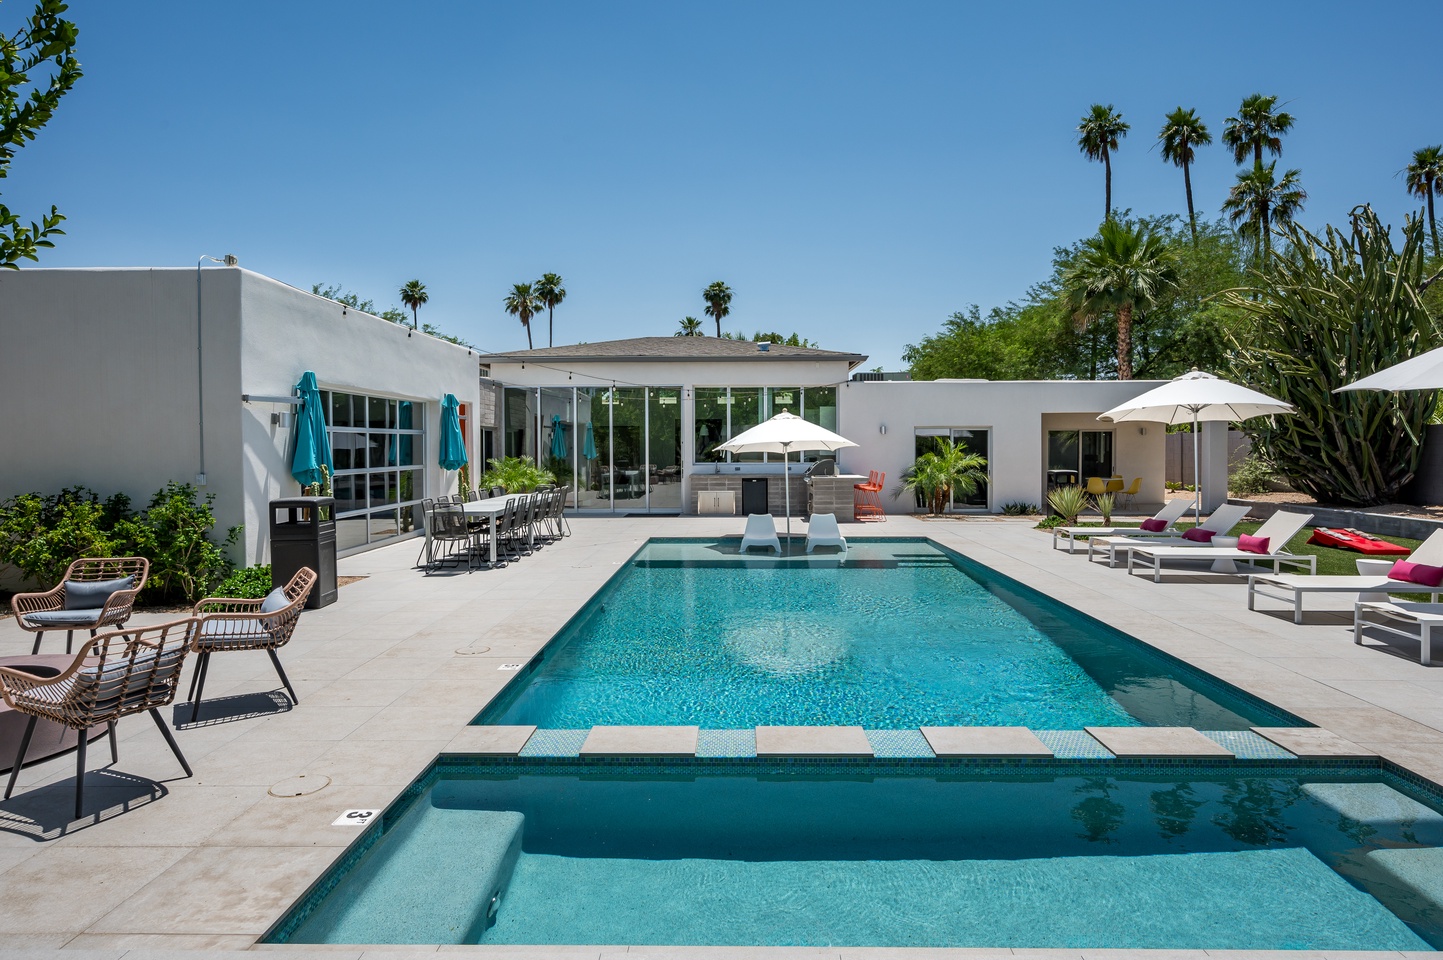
(866, 498)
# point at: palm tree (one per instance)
(1122, 270)
(522, 302)
(1182, 131)
(1256, 126)
(718, 299)
(1097, 136)
(414, 295)
(1425, 179)
(934, 475)
(690, 327)
(1258, 201)
(550, 292)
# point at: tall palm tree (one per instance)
(1256, 126)
(523, 303)
(1097, 136)
(414, 295)
(718, 297)
(1181, 131)
(1258, 201)
(1425, 179)
(690, 327)
(550, 292)
(1122, 270)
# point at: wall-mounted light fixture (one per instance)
(1142, 431)
(882, 429)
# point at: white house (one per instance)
(123, 379)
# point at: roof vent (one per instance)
(764, 346)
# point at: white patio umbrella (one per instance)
(1192, 398)
(1423, 372)
(782, 434)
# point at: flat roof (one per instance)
(705, 349)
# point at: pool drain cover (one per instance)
(301, 786)
(471, 651)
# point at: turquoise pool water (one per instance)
(1066, 855)
(901, 634)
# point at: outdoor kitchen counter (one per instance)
(829, 494)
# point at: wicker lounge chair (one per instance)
(114, 675)
(229, 624)
(96, 592)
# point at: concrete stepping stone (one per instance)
(640, 742)
(490, 741)
(1171, 742)
(1310, 742)
(1010, 742)
(813, 742)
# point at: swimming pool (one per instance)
(902, 634)
(1276, 855)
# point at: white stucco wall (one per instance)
(759, 372)
(99, 381)
(1018, 414)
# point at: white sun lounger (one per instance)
(1279, 529)
(1291, 587)
(761, 531)
(1170, 513)
(1397, 617)
(1223, 519)
(823, 531)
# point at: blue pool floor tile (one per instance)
(1247, 745)
(899, 743)
(726, 743)
(1073, 745)
(555, 743)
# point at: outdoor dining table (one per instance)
(493, 508)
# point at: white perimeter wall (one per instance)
(1018, 414)
(99, 382)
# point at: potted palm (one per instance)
(936, 475)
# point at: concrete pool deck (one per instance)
(393, 673)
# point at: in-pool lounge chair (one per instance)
(1223, 519)
(761, 532)
(1275, 533)
(823, 531)
(1414, 621)
(1170, 513)
(1291, 587)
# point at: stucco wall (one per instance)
(287, 332)
(759, 372)
(1018, 414)
(99, 381)
(98, 377)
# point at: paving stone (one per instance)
(1309, 742)
(813, 742)
(622, 741)
(985, 742)
(491, 741)
(1157, 742)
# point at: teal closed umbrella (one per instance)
(558, 438)
(313, 444)
(453, 446)
(588, 446)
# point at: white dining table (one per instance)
(493, 508)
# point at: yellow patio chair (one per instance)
(1096, 486)
(1133, 490)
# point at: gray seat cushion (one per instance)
(148, 676)
(217, 634)
(275, 600)
(88, 594)
(64, 618)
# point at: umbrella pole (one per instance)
(1196, 475)
(787, 493)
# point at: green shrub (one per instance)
(1019, 508)
(41, 535)
(1105, 503)
(1048, 523)
(516, 475)
(1252, 476)
(250, 583)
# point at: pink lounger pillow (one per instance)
(1199, 535)
(1419, 573)
(1154, 525)
(1251, 544)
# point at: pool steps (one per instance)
(1102, 743)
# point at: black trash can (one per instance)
(303, 534)
(754, 495)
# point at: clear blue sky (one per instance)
(855, 172)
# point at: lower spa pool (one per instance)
(865, 853)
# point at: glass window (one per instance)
(377, 414)
(1075, 455)
(558, 438)
(370, 438)
(711, 423)
(664, 435)
(520, 422)
(340, 410)
(628, 445)
(406, 415)
(819, 406)
(748, 410)
(978, 442)
(593, 425)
